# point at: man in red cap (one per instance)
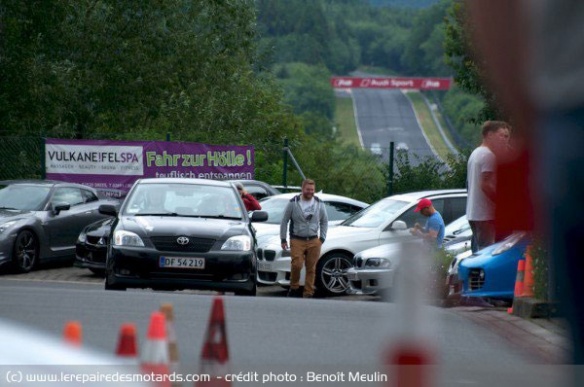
(433, 231)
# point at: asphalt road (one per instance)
(387, 115)
(271, 333)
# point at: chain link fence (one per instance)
(22, 158)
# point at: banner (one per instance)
(115, 165)
(391, 83)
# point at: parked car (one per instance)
(374, 269)
(491, 272)
(257, 188)
(179, 234)
(382, 222)
(91, 246)
(338, 208)
(40, 220)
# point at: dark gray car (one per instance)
(40, 220)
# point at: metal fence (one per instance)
(22, 158)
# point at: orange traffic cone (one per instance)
(127, 343)
(168, 311)
(155, 358)
(528, 280)
(215, 354)
(72, 333)
(519, 282)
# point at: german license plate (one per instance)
(182, 263)
(264, 266)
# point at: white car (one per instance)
(374, 269)
(383, 222)
(338, 208)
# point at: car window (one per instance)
(455, 208)
(69, 195)
(410, 217)
(376, 214)
(257, 191)
(23, 197)
(339, 210)
(88, 196)
(183, 199)
(275, 208)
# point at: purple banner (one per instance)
(115, 165)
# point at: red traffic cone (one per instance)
(412, 362)
(518, 282)
(127, 343)
(155, 359)
(215, 354)
(72, 333)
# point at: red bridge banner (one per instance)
(391, 83)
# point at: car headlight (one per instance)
(237, 243)
(82, 238)
(127, 238)
(378, 263)
(508, 243)
(7, 225)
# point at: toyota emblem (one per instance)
(183, 240)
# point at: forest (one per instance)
(240, 72)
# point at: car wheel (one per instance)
(110, 282)
(26, 251)
(331, 273)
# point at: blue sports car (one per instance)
(491, 272)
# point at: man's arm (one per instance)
(323, 222)
(284, 225)
(488, 184)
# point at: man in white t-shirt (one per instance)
(481, 183)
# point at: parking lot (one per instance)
(70, 274)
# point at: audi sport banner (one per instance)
(116, 165)
(391, 83)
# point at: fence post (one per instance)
(390, 175)
(285, 170)
(168, 136)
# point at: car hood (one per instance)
(9, 215)
(383, 251)
(100, 228)
(345, 232)
(201, 227)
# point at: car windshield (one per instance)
(194, 200)
(275, 208)
(457, 227)
(23, 197)
(376, 214)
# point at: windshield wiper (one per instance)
(220, 217)
(8, 208)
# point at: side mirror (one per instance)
(259, 216)
(399, 225)
(61, 206)
(108, 209)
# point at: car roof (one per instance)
(417, 195)
(321, 195)
(43, 183)
(178, 180)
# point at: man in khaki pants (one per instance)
(308, 220)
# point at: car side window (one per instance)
(88, 196)
(339, 211)
(410, 217)
(257, 191)
(68, 195)
(456, 207)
